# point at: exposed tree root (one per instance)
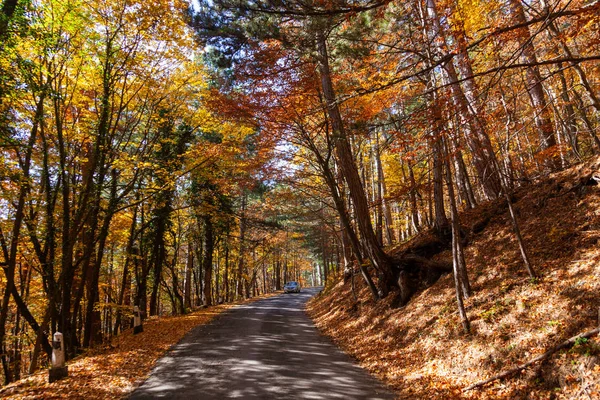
(417, 272)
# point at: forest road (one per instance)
(267, 349)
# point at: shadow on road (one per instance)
(268, 349)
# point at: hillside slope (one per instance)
(420, 349)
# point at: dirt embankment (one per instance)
(420, 349)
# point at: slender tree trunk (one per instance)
(476, 137)
(278, 270)
(381, 192)
(461, 279)
(241, 255)
(33, 366)
(584, 117)
(517, 231)
(226, 272)
(10, 250)
(458, 253)
(412, 197)
(572, 54)
(209, 246)
(462, 180)
(125, 292)
(348, 231)
(189, 267)
(569, 113)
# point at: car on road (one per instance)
(291, 287)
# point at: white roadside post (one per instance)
(59, 370)
(137, 321)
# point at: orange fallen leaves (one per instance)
(425, 355)
(114, 371)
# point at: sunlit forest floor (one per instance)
(421, 350)
(115, 370)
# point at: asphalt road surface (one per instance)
(268, 349)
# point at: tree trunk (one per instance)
(462, 180)
(240, 269)
(348, 168)
(189, 267)
(461, 279)
(435, 140)
(412, 196)
(476, 137)
(93, 334)
(542, 117)
(570, 126)
(10, 250)
(6, 15)
(349, 235)
(384, 207)
(278, 270)
(158, 258)
(226, 272)
(125, 292)
(209, 245)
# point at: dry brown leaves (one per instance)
(114, 371)
(420, 349)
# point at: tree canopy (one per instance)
(170, 155)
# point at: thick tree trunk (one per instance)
(348, 168)
(158, 259)
(140, 266)
(93, 334)
(542, 118)
(435, 140)
(178, 302)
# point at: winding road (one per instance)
(267, 349)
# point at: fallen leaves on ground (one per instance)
(420, 349)
(115, 370)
